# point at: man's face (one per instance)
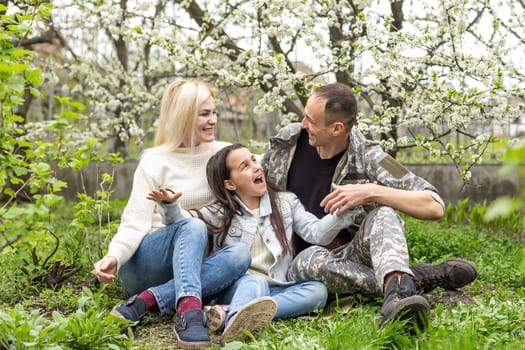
(313, 121)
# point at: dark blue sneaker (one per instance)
(190, 329)
(133, 309)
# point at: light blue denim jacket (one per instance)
(296, 219)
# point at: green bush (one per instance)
(87, 328)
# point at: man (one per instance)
(331, 166)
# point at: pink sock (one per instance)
(188, 303)
(149, 299)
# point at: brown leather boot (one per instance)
(452, 273)
(402, 302)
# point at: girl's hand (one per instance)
(163, 195)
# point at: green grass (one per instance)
(488, 314)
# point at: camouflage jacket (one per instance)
(364, 160)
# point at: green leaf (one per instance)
(34, 91)
(44, 10)
(69, 114)
(20, 52)
(59, 185)
(34, 76)
(20, 170)
(19, 67)
(14, 118)
(52, 199)
(41, 168)
(77, 105)
(62, 100)
(9, 192)
(57, 124)
(16, 85)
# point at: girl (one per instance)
(250, 210)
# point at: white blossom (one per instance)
(446, 70)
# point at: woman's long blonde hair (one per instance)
(178, 111)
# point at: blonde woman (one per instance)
(164, 268)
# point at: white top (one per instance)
(262, 257)
(182, 170)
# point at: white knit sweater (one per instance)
(183, 170)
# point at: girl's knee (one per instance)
(255, 282)
(196, 225)
(318, 292)
(189, 227)
(255, 279)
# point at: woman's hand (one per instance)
(105, 269)
(163, 195)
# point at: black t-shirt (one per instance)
(310, 178)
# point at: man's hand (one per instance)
(163, 195)
(347, 197)
(105, 269)
(418, 204)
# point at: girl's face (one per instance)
(205, 122)
(246, 177)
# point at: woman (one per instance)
(250, 210)
(163, 266)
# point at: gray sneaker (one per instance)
(250, 319)
(452, 273)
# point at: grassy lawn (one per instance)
(488, 314)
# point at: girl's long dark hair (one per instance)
(227, 207)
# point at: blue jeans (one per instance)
(170, 263)
(292, 300)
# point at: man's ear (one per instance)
(339, 128)
(230, 186)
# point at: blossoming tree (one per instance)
(434, 75)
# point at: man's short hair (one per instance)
(341, 104)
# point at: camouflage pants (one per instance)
(361, 265)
